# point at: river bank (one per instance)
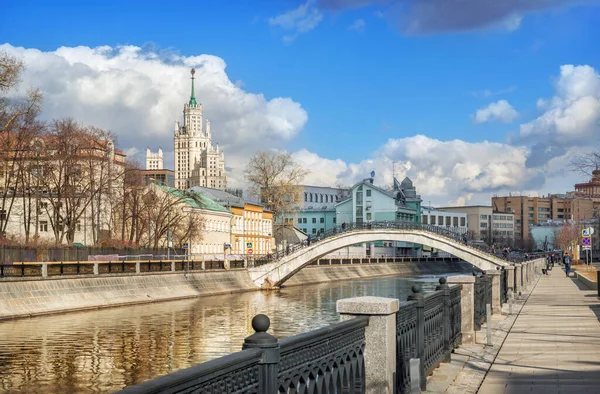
(21, 298)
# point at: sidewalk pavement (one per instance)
(551, 346)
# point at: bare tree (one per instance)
(586, 163)
(14, 111)
(567, 237)
(275, 178)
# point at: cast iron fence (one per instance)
(428, 327)
(349, 227)
(479, 302)
(324, 361)
(327, 360)
(504, 286)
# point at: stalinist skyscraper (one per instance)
(197, 162)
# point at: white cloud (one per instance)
(445, 172)
(358, 25)
(500, 111)
(572, 116)
(138, 95)
(299, 20)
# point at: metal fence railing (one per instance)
(324, 361)
(428, 328)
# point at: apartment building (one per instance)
(486, 224)
(531, 211)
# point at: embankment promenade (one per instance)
(25, 297)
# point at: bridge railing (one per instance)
(359, 226)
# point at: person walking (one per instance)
(308, 240)
(567, 264)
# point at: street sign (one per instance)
(586, 247)
(586, 241)
(587, 232)
(248, 245)
(249, 251)
(185, 245)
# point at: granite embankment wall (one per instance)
(328, 273)
(31, 297)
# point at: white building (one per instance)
(154, 161)
(197, 162)
(454, 221)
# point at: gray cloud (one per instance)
(436, 16)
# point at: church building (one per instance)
(197, 162)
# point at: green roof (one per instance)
(194, 199)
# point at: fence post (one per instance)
(443, 286)
(494, 276)
(418, 296)
(269, 364)
(137, 267)
(44, 270)
(467, 305)
(172, 266)
(96, 270)
(380, 338)
(518, 278)
(511, 277)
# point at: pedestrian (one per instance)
(308, 240)
(344, 226)
(547, 264)
(567, 264)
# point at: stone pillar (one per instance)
(96, 270)
(44, 270)
(380, 337)
(495, 301)
(137, 267)
(466, 305)
(519, 276)
(172, 266)
(511, 277)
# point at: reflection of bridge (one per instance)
(280, 266)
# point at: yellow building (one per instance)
(251, 228)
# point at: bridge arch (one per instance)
(274, 274)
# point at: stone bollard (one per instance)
(96, 268)
(511, 277)
(467, 305)
(137, 267)
(380, 338)
(518, 278)
(494, 276)
(44, 270)
(268, 366)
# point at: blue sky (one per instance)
(364, 72)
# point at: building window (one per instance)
(304, 230)
(424, 219)
(334, 220)
(43, 226)
(462, 222)
(327, 198)
(543, 209)
(299, 220)
(368, 192)
(314, 230)
(560, 210)
(321, 198)
(311, 197)
(483, 224)
(305, 197)
(530, 209)
(483, 217)
(303, 220)
(314, 220)
(433, 220)
(322, 220)
(368, 215)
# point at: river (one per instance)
(102, 351)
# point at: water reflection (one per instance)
(102, 351)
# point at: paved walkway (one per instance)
(554, 344)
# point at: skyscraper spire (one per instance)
(192, 97)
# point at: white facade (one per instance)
(197, 162)
(455, 221)
(154, 161)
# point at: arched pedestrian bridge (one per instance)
(282, 265)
